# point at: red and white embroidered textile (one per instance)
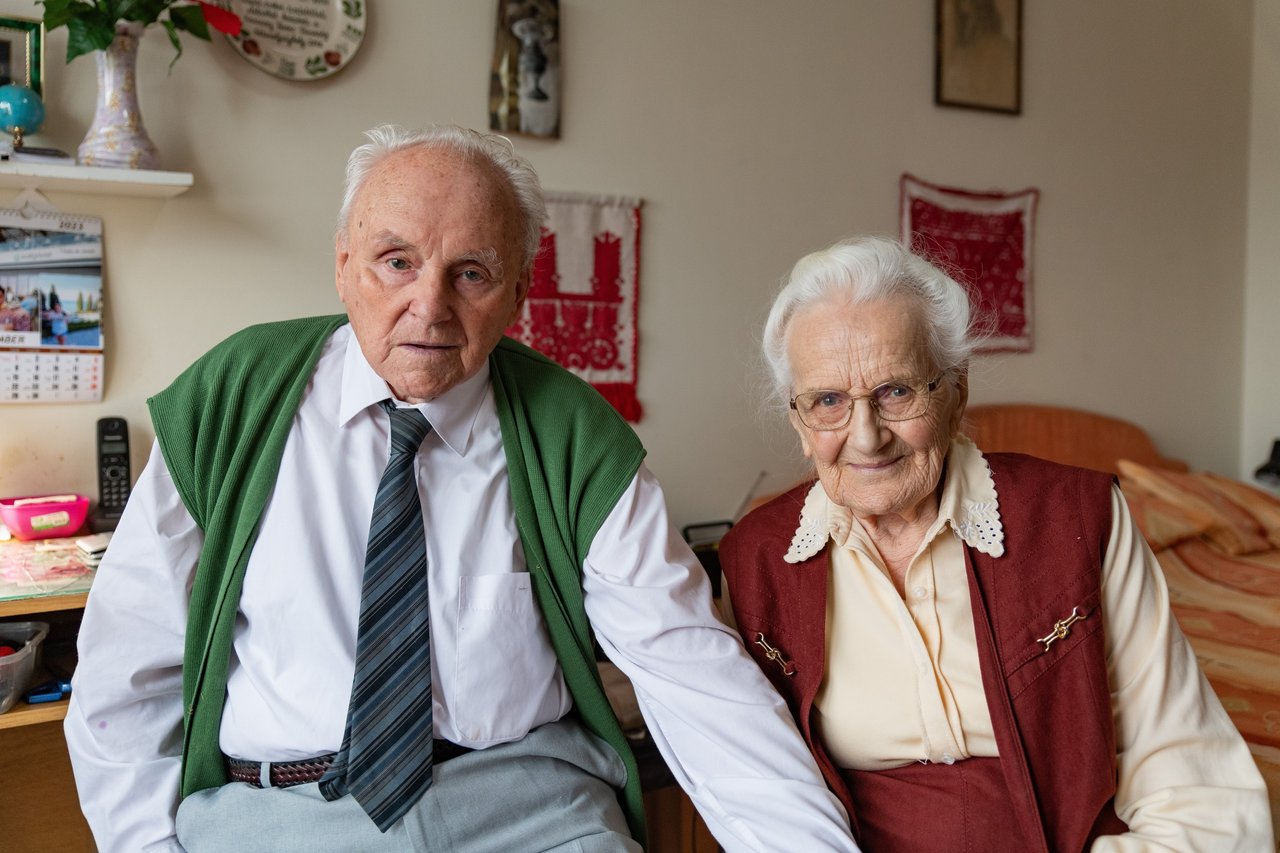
(983, 239)
(581, 310)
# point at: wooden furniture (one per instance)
(1069, 436)
(39, 809)
(674, 824)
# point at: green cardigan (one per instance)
(222, 426)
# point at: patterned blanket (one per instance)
(1218, 542)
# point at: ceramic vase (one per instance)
(117, 137)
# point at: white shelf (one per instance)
(97, 180)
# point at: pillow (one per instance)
(1162, 523)
(1233, 529)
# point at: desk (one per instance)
(40, 809)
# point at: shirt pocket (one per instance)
(1072, 633)
(506, 677)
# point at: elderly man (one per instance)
(263, 669)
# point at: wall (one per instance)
(1261, 395)
(755, 132)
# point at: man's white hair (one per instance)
(490, 148)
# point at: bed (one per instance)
(1217, 539)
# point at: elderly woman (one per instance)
(977, 647)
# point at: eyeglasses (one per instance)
(893, 401)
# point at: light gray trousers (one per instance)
(551, 790)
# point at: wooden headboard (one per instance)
(1070, 436)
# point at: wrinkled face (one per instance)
(873, 468)
(429, 268)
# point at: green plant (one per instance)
(92, 25)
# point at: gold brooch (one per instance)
(1062, 628)
(788, 668)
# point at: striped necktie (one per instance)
(385, 758)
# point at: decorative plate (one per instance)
(299, 39)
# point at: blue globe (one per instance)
(20, 109)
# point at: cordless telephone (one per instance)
(113, 472)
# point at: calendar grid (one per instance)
(35, 376)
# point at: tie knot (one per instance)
(408, 428)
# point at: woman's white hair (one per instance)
(490, 148)
(867, 269)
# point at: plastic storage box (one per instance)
(44, 517)
(16, 669)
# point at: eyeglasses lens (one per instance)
(893, 401)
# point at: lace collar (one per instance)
(969, 504)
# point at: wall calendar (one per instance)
(51, 341)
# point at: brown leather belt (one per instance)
(285, 774)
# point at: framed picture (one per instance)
(524, 81)
(21, 53)
(979, 55)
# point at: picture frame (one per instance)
(524, 78)
(22, 53)
(979, 55)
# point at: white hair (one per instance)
(867, 269)
(472, 145)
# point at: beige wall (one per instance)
(1261, 398)
(755, 132)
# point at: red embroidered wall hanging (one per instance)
(581, 308)
(983, 239)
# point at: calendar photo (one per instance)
(51, 319)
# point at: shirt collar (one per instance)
(969, 504)
(452, 415)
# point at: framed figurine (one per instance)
(524, 83)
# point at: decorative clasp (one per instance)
(773, 654)
(1062, 628)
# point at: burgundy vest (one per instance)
(1050, 707)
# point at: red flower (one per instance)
(91, 26)
(222, 20)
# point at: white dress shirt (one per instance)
(724, 732)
